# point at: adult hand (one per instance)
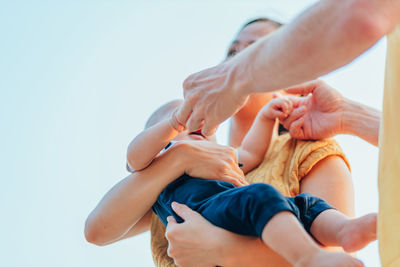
(194, 242)
(318, 115)
(209, 160)
(211, 97)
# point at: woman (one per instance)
(319, 168)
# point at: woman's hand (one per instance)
(195, 242)
(209, 160)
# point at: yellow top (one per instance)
(285, 164)
(389, 159)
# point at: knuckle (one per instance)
(169, 235)
(171, 252)
(319, 82)
(187, 83)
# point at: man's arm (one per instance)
(328, 35)
(323, 38)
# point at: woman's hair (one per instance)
(262, 19)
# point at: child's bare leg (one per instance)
(285, 235)
(332, 228)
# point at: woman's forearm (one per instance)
(129, 200)
(362, 121)
(248, 251)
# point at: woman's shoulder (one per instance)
(304, 154)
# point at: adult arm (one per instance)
(329, 179)
(326, 113)
(328, 35)
(196, 242)
(130, 199)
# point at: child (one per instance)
(257, 209)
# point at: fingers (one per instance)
(171, 220)
(235, 179)
(175, 123)
(276, 95)
(209, 127)
(184, 112)
(240, 176)
(183, 211)
(195, 121)
(278, 114)
(296, 129)
(304, 88)
(294, 116)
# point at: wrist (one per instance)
(175, 124)
(349, 116)
(362, 121)
(183, 158)
(176, 160)
(239, 76)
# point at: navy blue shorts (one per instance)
(242, 210)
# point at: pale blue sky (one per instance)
(78, 81)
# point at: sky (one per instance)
(78, 81)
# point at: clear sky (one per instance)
(78, 80)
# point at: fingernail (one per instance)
(173, 205)
(169, 218)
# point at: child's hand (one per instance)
(175, 123)
(280, 106)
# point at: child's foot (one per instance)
(357, 233)
(329, 259)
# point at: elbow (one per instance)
(365, 21)
(135, 165)
(134, 162)
(93, 233)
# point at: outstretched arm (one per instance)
(325, 37)
(121, 212)
(130, 199)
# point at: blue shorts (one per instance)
(242, 210)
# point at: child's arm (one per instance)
(146, 146)
(256, 142)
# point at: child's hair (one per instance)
(163, 112)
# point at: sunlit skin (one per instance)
(338, 192)
(242, 120)
(138, 191)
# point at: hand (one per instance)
(280, 106)
(173, 121)
(209, 160)
(194, 242)
(318, 115)
(211, 97)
